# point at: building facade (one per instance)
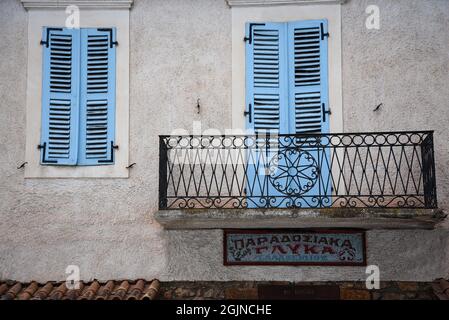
(181, 68)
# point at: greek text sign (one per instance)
(295, 247)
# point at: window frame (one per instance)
(92, 18)
(285, 13)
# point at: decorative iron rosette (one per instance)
(293, 171)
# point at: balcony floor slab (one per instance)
(362, 218)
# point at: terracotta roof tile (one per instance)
(104, 291)
(136, 290)
(3, 288)
(72, 294)
(120, 291)
(58, 292)
(94, 290)
(441, 289)
(91, 291)
(11, 294)
(29, 291)
(151, 292)
(43, 292)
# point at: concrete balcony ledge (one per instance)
(364, 218)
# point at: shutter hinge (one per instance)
(112, 42)
(46, 42)
(248, 113)
(328, 111)
(111, 159)
(250, 37)
(43, 147)
(323, 34)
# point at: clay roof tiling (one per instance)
(94, 290)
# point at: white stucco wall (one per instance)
(181, 51)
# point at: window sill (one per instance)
(247, 3)
(107, 171)
(91, 4)
(363, 218)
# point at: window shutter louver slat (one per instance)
(308, 84)
(60, 96)
(97, 128)
(266, 82)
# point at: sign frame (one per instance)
(226, 261)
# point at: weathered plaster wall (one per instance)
(181, 51)
(405, 66)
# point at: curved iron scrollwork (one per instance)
(293, 171)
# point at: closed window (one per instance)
(78, 96)
(287, 94)
(287, 77)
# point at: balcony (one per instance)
(366, 180)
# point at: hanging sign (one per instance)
(295, 247)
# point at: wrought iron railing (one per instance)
(385, 169)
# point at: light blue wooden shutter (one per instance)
(308, 77)
(60, 96)
(97, 106)
(266, 77)
(266, 100)
(309, 102)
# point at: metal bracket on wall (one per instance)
(22, 165)
(131, 165)
(248, 113)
